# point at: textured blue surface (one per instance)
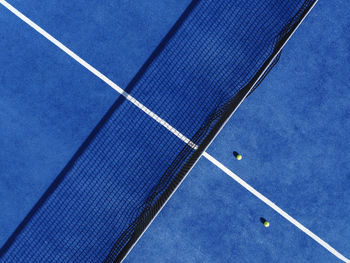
(126, 169)
(45, 114)
(49, 103)
(293, 134)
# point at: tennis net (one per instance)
(129, 166)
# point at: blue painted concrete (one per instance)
(49, 103)
(292, 132)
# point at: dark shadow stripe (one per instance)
(105, 118)
(61, 176)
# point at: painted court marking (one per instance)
(274, 206)
(99, 74)
(173, 130)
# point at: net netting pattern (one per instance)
(129, 166)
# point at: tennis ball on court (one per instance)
(239, 157)
(266, 224)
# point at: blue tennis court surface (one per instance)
(292, 132)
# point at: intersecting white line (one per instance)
(172, 129)
(274, 207)
(99, 75)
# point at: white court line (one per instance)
(99, 74)
(275, 207)
(171, 129)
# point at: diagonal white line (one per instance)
(275, 207)
(171, 129)
(99, 74)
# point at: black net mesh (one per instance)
(129, 166)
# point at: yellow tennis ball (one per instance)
(266, 224)
(239, 157)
